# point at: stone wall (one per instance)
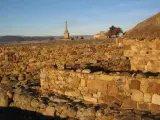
(60, 107)
(128, 92)
(143, 55)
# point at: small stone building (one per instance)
(100, 35)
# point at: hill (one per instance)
(11, 38)
(148, 29)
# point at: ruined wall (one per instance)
(143, 55)
(128, 92)
(21, 58)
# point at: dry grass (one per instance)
(148, 29)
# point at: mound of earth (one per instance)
(148, 29)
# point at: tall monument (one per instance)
(66, 33)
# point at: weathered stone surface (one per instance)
(87, 118)
(137, 96)
(112, 100)
(71, 112)
(143, 106)
(5, 79)
(106, 77)
(75, 82)
(107, 117)
(83, 83)
(142, 57)
(155, 108)
(90, 99)
(35, 103)
(144, 85)
(55, 81)
(112, 89)
(90, 112)
(95, 85)
(128, 103)
(147, 97)
(50, 111)
(135, 84)
(86, 71)
(156, 99)
(4, 101)
(128, 118)
(154, 88)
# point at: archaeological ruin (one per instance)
(82, 79)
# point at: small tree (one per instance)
(114, 31)
(82, 37)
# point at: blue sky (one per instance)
(85, 17)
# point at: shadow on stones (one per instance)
(9, 113)
(108, 71)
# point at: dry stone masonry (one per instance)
(143, 55)
(84, 80)
(98, 87)
(28, 58)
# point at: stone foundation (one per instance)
(128, 92)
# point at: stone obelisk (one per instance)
(66, 33)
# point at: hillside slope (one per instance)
(148, 29)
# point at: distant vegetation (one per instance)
(114, 31)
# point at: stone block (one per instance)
(137, 96)
(110, 100)
(90, 99)
(74, 93)
(71, 112)
(107, 117)
(147, 98)
(83, 83)
(144, 85)
(135, 84)
(89, 111)
(35, 103)
(120, 97)
(128, 103)
(106, 77)
(86, 71)
(155, 108)
(49, 111)
(154, 88)
(99, 86)
(143, 106)
(4, 100)
(112, 89)
(75, 82)
(156, 99)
